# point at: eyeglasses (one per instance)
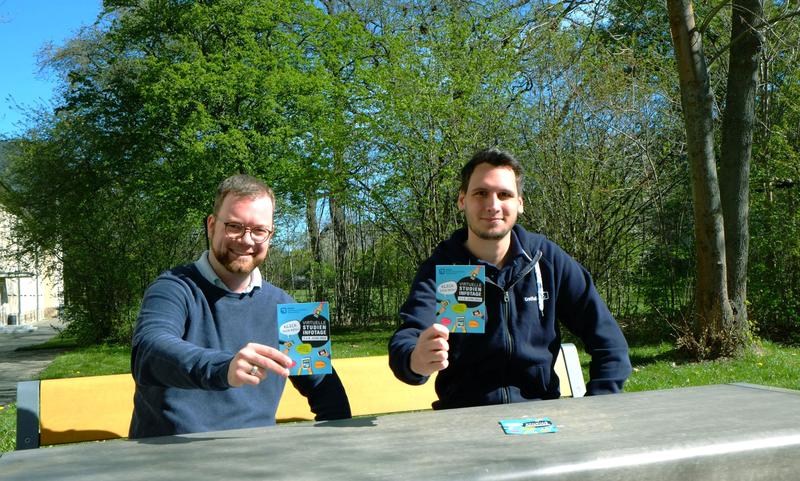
(258, 234)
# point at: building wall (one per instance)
(30, 288)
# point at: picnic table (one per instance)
(718, 432)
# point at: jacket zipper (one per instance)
(507, 309)
(510, 342)
(507, 314)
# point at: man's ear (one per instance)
(210, 220)
(521, 206)
(460, 201)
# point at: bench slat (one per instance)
(371, 388)
(86, 408)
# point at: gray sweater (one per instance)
(187, 333)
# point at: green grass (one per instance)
(90, 361)
(661, 367)
(8, 428)
(358, 342)
(59, 342)
(656, 366)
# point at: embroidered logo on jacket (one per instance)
(545, 296)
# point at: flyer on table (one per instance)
(304, 334)
(460, 297)
(528, 426)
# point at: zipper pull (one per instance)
(505, 297)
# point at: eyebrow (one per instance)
(486, 189)
(256, 226)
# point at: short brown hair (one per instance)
(493, 156)
(241, 185)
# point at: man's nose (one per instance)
(247, 237)
(492, 202)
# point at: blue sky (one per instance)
(25, 26)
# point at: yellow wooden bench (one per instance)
(58, 411)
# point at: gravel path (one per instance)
(22, 365)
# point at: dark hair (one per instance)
(495, 157)
(241, 185)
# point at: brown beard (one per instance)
(491, 235)
(232, 263)
(486, 235)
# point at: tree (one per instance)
(444, 84)
(738, 125)
(161, 101)
(720, 208)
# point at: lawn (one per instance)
(656, 366)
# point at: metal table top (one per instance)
(719, 432)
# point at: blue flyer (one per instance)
(528, 426)
(460, 297)
(304, 334)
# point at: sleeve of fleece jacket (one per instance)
(326, 395)
(160, 357)
(580, 307)
(417, 314)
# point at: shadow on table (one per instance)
(163, 440)
(359, 422)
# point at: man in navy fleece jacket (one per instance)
(204, 349)
(530, 284)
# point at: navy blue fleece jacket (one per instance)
(186, 335)
(513, 361)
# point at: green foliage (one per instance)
(600, 143)
(373, 108)
(774, 271)
(442, 90)
(665, 280)
(162, 104)
(774, 274)
(379, 273)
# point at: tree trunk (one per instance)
(342, 294)
(737, 140)
(712, 310)
(315, 280)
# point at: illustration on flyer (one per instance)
(304, 334)
(460, 298)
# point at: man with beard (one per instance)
(530, 282)
(205, 354)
